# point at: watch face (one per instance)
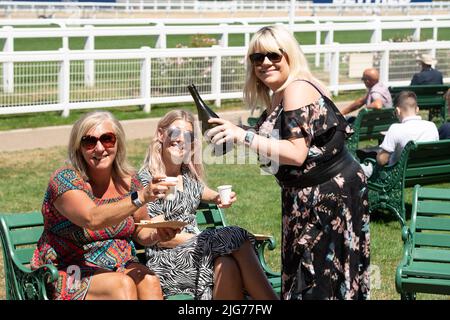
(134, 195)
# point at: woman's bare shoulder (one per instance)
(299, 94)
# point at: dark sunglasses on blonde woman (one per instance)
(258, 58)
(108, 140)
(175, 132)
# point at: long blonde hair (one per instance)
(272, 39)
(153, 161)
(121, 167)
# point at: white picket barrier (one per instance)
(75, 79)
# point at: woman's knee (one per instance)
(225, 264)
(124, 288)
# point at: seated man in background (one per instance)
(411, 127)
(377, 97)
(427, 75)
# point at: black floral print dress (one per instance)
(325, 235)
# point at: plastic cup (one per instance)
(170, 195)
(224, 193)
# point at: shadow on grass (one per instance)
(386, 216)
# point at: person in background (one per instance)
(210, 264)
(325, 250)
(89, 214)
(377, 97)
(427, 74)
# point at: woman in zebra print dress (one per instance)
(212, 264)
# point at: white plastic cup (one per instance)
(224, 193)
(170, 195)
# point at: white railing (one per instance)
(214, 21)
(376, 26)
(65, 80)
(221, 6)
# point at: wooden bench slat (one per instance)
(433, 207)
(428, 269)
(426, 285)
(25, 254)
(432, 223)
(436, 255)
(26, 235)
(24, 220)
(434, 194)
(430, 239)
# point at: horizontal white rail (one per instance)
(73, 79)
(214, 21)
(232, 6)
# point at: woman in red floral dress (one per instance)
(89, 211)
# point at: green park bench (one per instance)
(425, 266)
(19, 233)
(429, 97)
(420, 163)
(369, 124)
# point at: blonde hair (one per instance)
(153, 161)
(121, 167)
(275, 39)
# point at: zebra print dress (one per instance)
(189, 268)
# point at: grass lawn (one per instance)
(25, 176)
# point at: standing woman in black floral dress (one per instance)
(301, 136)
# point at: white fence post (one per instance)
(247, 35)
(334, 69)
(65, 39)
(224, 39)
(377, 36)
(8, 67)
(89, 65)
(318, 41)
(216, 75)
(146, 73)
(416, 34)
(384, 66)
(161, 42)
(64, 82)
(329, 39)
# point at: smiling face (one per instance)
(177, 142)
(100, 157)
(272, 73)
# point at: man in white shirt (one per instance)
(411, 127)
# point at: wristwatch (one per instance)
(249, 136)
(135, 199)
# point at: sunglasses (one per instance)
(108, 140)
(175, 132)
(258, 58)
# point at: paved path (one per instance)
(46, 137)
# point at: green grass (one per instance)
(25, 176)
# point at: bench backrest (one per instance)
(427, 95)
(371, 123)
(430, 227)
(428, 162)
(20, 232)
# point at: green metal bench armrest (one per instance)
(260, 247)
(23, 283)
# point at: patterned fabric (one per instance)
(325, 247)
(74, 249)
(189, 268)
